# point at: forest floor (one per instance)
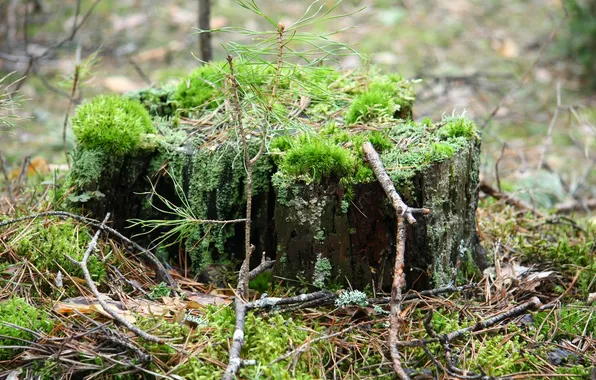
(502, 63)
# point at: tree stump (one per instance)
(317, 208)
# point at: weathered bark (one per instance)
(308, 224)
(360, 243)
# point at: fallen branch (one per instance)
(577, 205)
(509, 199)
(161, 273)
(402, 211)
(533, 304)
(241, 308)
(117, 317)
(425, 293)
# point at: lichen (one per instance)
(352, 298)
(217, 191)
(89, 164)
(322, 272)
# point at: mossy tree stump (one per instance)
(317, 208)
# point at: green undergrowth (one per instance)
(267, 337)
(517, 347)
(46, 245)
(18, 312)
(567, 247)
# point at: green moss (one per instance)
(380, 141)
(439, 151)
(370, 106)
(266, 338)
(112, 124)
(18, 312)
(313, 158)
(457, 126)
(89, 164)
(46, 245)
(205, 86)
(198, 89)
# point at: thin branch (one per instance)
(510, 199)
(160, 271)
(402, 210)
(117, 317)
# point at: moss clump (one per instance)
(18, 312)
(46, 245)
(369, 106)
(198, 89)
(312, 158)
(423, 145)
(204, 86)
(388, 97)
(454, 127)
(112, 124)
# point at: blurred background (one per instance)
(522, 69)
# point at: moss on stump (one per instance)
(316, 201)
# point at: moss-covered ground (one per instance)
(557, 341)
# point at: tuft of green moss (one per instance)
(371, 105)
(439, 151)
(457, 127)
(387, 97)
(18, 312)
(47, 245)
(112, 124)
(204, 86)
(198, 89)
(314, 158)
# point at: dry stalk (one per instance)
(75, 85)
(235, 362)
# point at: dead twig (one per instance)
(402, 211)
(161, 272)
(509, 199)
(117, 317)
